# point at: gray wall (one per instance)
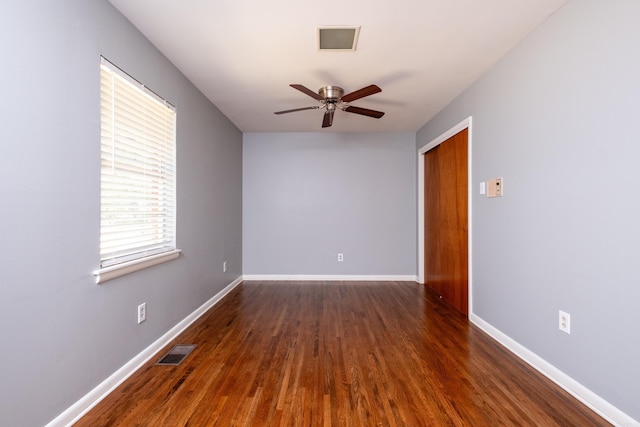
(557, 118)
(309, 196)
(62, 334)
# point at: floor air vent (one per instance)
(176, 355)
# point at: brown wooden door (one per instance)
(446, 220)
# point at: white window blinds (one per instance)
(138, 173)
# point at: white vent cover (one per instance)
(338, 38)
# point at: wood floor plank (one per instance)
(338, 354)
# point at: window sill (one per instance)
(113, 271)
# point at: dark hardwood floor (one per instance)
(338, 354)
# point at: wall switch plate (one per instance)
(340, 257)
(564, 322)
(483, 187)
(142, 312)
(224, 266)
(495, 188)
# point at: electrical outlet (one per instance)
(142, 312)
(564, 322)
(340, 257)
(224, 267)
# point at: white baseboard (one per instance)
(330, 278)
(580, 392)
(605, 409)
(82, 406)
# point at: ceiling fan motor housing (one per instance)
(331, 93)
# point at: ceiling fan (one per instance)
(332, 98)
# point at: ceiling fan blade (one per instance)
(307, 91)
(365, 112)
(327, 121)
(361, 93)
(297, 109)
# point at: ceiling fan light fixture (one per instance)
(338, 39)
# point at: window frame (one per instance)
(140, 160)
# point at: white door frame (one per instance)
(465, 124)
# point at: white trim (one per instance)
(117, 270)
(82, 406)
(465, 124)
(580, 392)
(571, 386)
(329, 278)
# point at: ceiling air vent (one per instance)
(338, 38)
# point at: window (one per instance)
(138, 174)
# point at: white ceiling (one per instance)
(243, 54)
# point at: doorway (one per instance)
(444, 216)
